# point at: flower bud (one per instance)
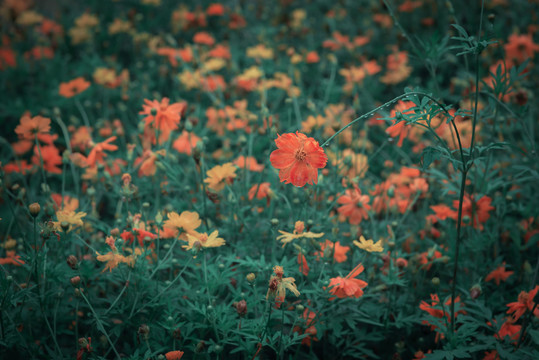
(72, 262)
(34, 209)
(251, 277)
(475, 291)
(241, 307)
(75, 281)
(144, 331)
(435, 281)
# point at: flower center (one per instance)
(300, 154)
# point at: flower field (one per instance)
(289, 179)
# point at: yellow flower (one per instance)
(188, 221)
(204, 241)
(220, 175)
(87, 20)
(69, 217)
(260, 51)
(298, 233)
(369, 245)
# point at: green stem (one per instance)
(99, 324)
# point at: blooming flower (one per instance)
(525, 302)
(162, 115)
(204, 241)
(187, 221)
(354, 206)
(70, 218)
(73, 87)
(369, 245)
(220, 175)
(29, 127)
(499, 274)
(97, 154)
(298, 159)
(348, 286)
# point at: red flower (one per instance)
(298, 159)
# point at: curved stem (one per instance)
(370, 113)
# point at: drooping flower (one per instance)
(369, 245)
(348, 286)
(203, 240)
(278, 285)
(220, 175)
(298, 159)
(298, 233)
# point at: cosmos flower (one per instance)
(298, 159)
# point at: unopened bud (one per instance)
(34, 209)
(75, 281)
(251, 277)
(72, 262)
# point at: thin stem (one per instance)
(99, 324)
(370, 113)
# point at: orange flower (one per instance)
(525, 302)
(30, 127)
(174, 355)
(303, 266)
(203, 38)
(348, 286)
(499, 274)
(215, 10)
(312, 57)
(162, 116)
(12, 259)
(478, 210)
(354, 206)
(73, 87)
(220, 175)
(248, 162)
(97, 154)
(298, 159)
(400, 128)
(520, 47)
(261, 191)
(338, 251)
(51, 158)
(186, 142)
